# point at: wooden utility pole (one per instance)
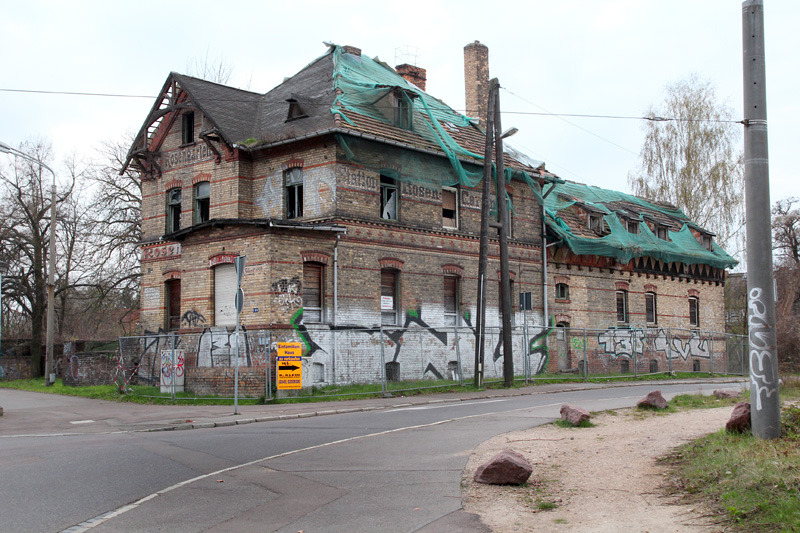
(502, 207)
(483, 260)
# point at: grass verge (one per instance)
(750, 484)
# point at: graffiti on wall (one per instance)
(192, 319)
(762, 345)
(627, 342)
(217, 347)
(288, 293)
(538, 351)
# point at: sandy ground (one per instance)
(601, 479)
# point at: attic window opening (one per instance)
(187, 128)
(295, 111)
(596, 223)
(403, 110)
(662, 233)
(706, 241)
(633, 226)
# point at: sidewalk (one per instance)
(31, 413)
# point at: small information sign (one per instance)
(290, 366)
(387, 303)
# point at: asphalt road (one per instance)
(393, 469)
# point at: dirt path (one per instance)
(601, 479)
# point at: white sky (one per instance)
(603, 57)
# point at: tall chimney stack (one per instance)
(476, 80)
(412, 74)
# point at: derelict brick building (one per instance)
(355, 196)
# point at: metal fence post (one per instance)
(458, 358)
(669, 348)
(172, 363)
(711, 359)
(633, 346)
(585, 360)
(384, 385)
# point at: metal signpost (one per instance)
(238, 264)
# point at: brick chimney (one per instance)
(412, 74)
(476, 80)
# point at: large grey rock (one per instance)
(740, 418)
(505, 468)
(654, 400)
(574, 414)
(724, 394)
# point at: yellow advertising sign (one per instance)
(290, 365)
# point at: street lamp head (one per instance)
(509, 132)
(4, 148)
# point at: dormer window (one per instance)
(706, 242)
(633, 226)
(403, 110)
(596, 223)
(295, 111)
(187, 128)
(662, 233)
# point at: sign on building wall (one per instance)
(161, 252)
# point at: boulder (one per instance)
(654, 400)
(574, 415)
(505, 468)
(724, 394)
(740, 418)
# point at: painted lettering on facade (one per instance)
(221, 259)
(470, 199)
(186, 156)
(161, 252)
(358, 179)
(421, 193)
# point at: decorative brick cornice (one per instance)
(391, 262)
(694, 292)
(203, 176)
(171, 274)
(173, 184)
(453, 270)
(649, 287)
(315, 257)
(621, 285)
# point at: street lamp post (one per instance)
(48, 365)
(3, 270)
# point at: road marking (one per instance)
(460, 404)
(81, 421)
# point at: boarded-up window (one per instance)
(451, 300)
(173, 304)
(224, 294)
(449, 208)
(312, 293)
(389, 294)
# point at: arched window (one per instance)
(622, 306)
(202, 202)
(173, 210)
(650, 308)
(313, 293)
(452, 300)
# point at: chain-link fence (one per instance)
(392, 359)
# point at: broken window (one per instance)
(450, 207)
(295, 111)
(202, 202)
(596, 223)
(707, 243)
(622, 306)
(173, 304)
(403, 111)
(173, 210)
(662, 233)
(187, 128)
(651, 315)
(390, 194)
(294, 192)
(633, 226)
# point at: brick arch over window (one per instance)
(173, 184)
(511, 275)
(171, 274)
(563, 319)
(203, 176)
(453, 270)
(391, 262)
(650, 288)
(561, 279)
(315, 257)
(694, 292)
(294, 163)
(621, 285)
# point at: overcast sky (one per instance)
(598, 57)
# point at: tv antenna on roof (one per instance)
(406, 54)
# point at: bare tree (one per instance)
(25, 230)
(217, 70)
(786, 246)
(691, 158)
